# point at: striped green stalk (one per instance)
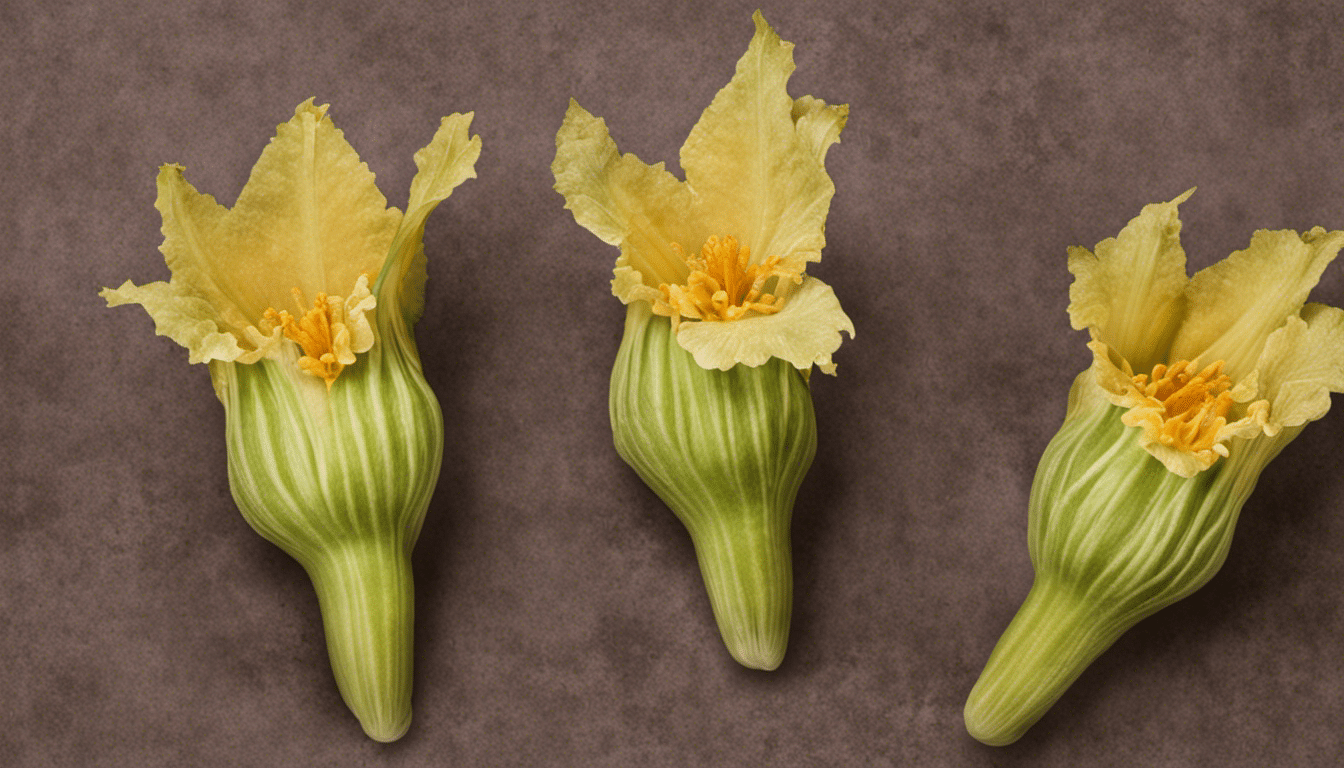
(1113, 538)
(726, 451)
(334, 437)
(341, 480)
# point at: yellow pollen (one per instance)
(1194, 405)
(723, 284)
(314, 333)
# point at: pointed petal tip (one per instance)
(114, 297)
(308, 106)
(766, 33)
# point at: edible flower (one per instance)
(709, 397)
(1195, 385)
(302, 299)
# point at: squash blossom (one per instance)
(1196, 383)
(301, 299)
(709, 396)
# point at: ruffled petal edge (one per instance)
(193, 323)
(1302, 363)
(804, 333)
(1130, 292)
(1234, 305)
(1115, 377)
(755, 159)
(623, 201)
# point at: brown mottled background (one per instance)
(562, 621)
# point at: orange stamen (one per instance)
(724, 284)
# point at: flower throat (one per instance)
(723, 284)
(319, 333)
(1195, 404)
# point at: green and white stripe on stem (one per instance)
(726, 451)
(1114, 537)
(341, 480)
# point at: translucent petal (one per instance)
(309, 217)
(190, 321)
(819, 125)
(1303, 362)
(804, 333)
(756, 174)
(1130, 292)
(357, 306)
(191, 222)
(448, 160)
(641, 208)
(1233, 306)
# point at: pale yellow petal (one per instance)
(757, 175)
(1113, 374)
(804, 333)
(1130, 292)
(309, 217)
(641, 208)
(358, 304)
(1233, 306)
(1302, 363)
(627, 284)
(818, 124)
(448, 160)
(1188, 463)
(191, 222)
(1183, 463)
(190, 321)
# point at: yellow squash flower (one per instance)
(1196, 384)
(302, 299)
(709, 400)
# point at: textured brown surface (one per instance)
(561, 617)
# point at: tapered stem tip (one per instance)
(763, 653)
(386, 730)
(987, 727)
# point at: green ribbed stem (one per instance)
(748, 572)
(1052, 639)
(341, 480)
(1114, 537)
(726, 451)
(368, 613)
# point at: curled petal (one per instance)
(1303, 362)
(1130, 292)
(357, 306)
(1234, 305)
(757, 174)
(448, 160)
(804, 333)
(641, 208)
(818, 124)
(627, 283)
(1115, 378)
(192, 322)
